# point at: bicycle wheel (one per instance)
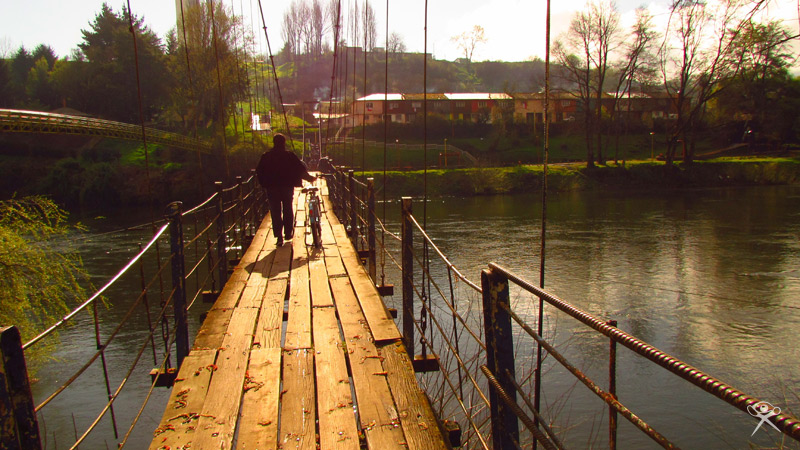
(316, 233)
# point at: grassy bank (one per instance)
(571, 177)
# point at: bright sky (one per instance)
(514, 28)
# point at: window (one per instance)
(369, 106)
(481, 104)
(460, 104)
(394, 105)
(416, 104)
(566, 102)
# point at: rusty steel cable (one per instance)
(506, 398)
(597, 390)
(98, 293)
(788, 424)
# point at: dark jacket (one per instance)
(281, 168)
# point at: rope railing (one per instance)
(205, 243)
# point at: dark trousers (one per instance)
(280, 207)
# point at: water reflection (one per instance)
(708, 276)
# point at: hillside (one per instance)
(306, 77)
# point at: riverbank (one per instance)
(638, 175)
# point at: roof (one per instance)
(379, 97)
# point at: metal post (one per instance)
(612, 389)
(373, 267)
(499, 357)
(352, 213)
(241, 231)
(408, 277)
(19, 428)
(174, 211)
(222, 258)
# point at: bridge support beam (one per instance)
(19, 428)
(222, 257)
(499, 357)
(408, 276)
(174, 215)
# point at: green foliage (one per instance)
(112, 67)
(40, 279)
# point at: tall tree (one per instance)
(111, 67)
(584, 53)
(468, 41)
(217, 79)
(696, 58)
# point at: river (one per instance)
(709, 276)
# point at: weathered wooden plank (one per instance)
(298, 405)
(257, 283)
(337, 421)
(212, 332)
(258, 421)
(298, 329)
(333, 260)
(320, 290)
(380, 321)
(416, 416)
(221, 407)
(230, 294)
(182, 413)
(270, 317)
(376, 408)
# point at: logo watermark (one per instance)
(763, 411)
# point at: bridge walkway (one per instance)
(298, 351)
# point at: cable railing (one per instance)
(125, 325)
(474, 345)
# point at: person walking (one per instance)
(279, 171)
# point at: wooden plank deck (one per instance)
(334, 375)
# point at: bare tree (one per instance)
(469, 40)
(637, 66)
(370, 27)
(584, 52)
(693, 71)
(396, 43)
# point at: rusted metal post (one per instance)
(408, 276)
(352, 211)
(612, 389)
(240, 219)
(222, 257)
(372, 265)
(499, 357)
(19, 428)
(174, 211)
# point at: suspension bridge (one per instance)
(19, 121)
(298, 350)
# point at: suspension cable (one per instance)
(275, 74)
(222, 119)
(385, 137)
(537, 381)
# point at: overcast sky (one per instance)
(514, 28)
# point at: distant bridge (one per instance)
(19, 121)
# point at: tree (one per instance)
(111, 67)
(584, 53)
(217, 80)
(637, 66)
(396, 43)
(5, 85)
(694, 72)
(39, 281)
(469, 40)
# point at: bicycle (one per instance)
(313, 215)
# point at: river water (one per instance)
(709, 276)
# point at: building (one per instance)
(486, 107)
